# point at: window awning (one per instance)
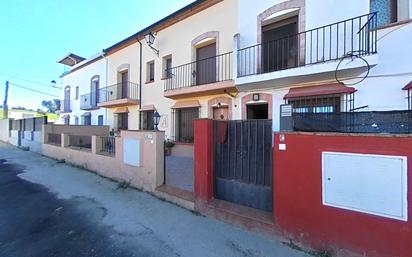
(87, 114)
(121, 110)
(408, 86)
(66, 116)
(319, 90)
(186, 104)
(146, 108)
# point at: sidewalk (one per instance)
(139, 220)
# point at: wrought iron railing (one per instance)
(356, 36)
(393, 122)
(118, 91)
(107, 145)
(89, 101)
(66, 105)
(54, 139)
(83, 142)
(210, 70)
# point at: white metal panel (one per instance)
(131, 152)
(374, 184)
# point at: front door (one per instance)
(206, 64)
(220, 113)
(94, 93)
(124, 78)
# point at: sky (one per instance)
(35, 34)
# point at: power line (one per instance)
(27, 80)
(34, 90)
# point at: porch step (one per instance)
(183, 198)
(242, 216)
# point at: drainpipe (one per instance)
(140, 85)
(107, 67)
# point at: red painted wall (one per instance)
(298, 196)
(203, 162)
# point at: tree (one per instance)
(51, 105)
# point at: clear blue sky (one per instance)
(34, 34)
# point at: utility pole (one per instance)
(5, 107)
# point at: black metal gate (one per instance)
(243, 162)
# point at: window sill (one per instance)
(394, 24)
(149, 82)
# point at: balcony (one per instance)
(89, 101)
(201, 77)
(347, 47)
(121, 94)
(65, 106)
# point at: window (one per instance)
(100, 120)
(87, 120)
(316, 104)
(150, 71)
(183, 124)
(122, 121)
(147, 120)
(77, 93)
(67, 120)
(167, 67)
(409, 98)
(387, 11)
(76, 120)
(279, 48)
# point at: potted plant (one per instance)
(168, 147)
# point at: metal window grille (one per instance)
(323, 104)
(147, 120)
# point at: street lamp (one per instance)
(150, 40)
(53, 84)
(156, 120)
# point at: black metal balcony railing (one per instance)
(65, 105)
(118, 91)
(331, 42)
(89, 101)
(210, 70)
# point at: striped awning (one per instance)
(319, 90)
(121, 110)
(186, 104)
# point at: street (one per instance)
(53, 209)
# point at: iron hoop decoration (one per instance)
(353, 55)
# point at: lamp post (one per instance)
(156, 120)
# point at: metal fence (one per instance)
(119, 91)
(210, 70)
(393, 122)
(331, 42)
(54, 139)
(84, 142)
(108, 145)
(89, 101)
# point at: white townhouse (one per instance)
(81, 88)
(323, 56)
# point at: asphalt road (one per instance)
(50, 209)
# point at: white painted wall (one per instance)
(382, 90)
(82, 78)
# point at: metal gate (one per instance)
(243, 162)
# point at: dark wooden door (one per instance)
(243, 162)
(279, 48)
(206, 64)
(124, 78)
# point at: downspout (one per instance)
(106, 77)
(140, 85)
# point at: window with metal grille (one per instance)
(182, 120)
(323, 104)
(147, 120)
